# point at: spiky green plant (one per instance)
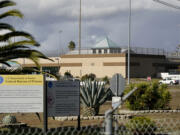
(92, 95)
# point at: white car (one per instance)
(168, 81)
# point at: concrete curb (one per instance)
(123, 114)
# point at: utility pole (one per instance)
(129, 41)
(80, 28)
(59, 46)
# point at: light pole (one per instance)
(80, 27)
(59, 48)
(129, 41)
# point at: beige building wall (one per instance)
(105, 64)
(99, 64)
(42, 62)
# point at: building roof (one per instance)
(106, 43)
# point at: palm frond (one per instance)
(7, 3)
(26, 42)
(40, 55)
(13, 12)
(5, 26)
(24, 70)
(9, 35)
(7, 48)
(33, 55)
(6, 63)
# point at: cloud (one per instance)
(153, 25)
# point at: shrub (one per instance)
(105, 79)
(88, 77)
(92, 77)
(67, 75)
(148, 96)
(8, 119)
(141, 126)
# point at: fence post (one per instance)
(116, 127)
(109, 122)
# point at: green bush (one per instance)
(91, 77)
(148, 96)
(67, 75)
(141, 126)
(105, 79)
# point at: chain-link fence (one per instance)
(146, 124)
(134, 124)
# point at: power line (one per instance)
(167, 4)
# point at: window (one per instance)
(111, 50)
(99, 51)
(94, 51)
(119, 50)
(92, 64)
(105, 50)
(115, 51)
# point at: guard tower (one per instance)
(106, 46)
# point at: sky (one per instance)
(54, 23)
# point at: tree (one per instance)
(20, 48)
(67, 75)
(71, 46)
(90, 76)
(148, 96)
(177, 50)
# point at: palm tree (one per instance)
(71, 45)
(17, 49)
(177, 50)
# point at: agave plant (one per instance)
(93, 94)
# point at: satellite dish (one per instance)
(117, 84)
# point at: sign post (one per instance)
(117, 85)
(45, 111)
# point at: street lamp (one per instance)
(80, 27)
(129, 41)
(59, 48)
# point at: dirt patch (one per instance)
(175, 101)
(32, 120)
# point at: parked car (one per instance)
(168, 81)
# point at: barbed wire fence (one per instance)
(135, 50)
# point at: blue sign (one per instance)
(1, 79)
(50, 84)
